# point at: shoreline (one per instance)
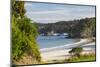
(62, 52)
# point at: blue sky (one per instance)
(51, 13)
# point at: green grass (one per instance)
(82, 58)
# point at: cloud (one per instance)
(48, 13)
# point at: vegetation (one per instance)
(77, 28)
(58, 27)
(78, 57)
(76, 51)
(24, 34)
(82, 58)
(84, 28)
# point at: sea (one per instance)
(54, 41)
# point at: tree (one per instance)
(24, 34)
(76, 51)
(18, 8)
(84, 28)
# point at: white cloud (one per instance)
(58, 13)
(48, 12)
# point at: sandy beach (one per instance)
(62, 52)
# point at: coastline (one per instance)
(62, 52)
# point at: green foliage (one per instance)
(73, 59)
(27, 27)
(84, 28)
(89, 57)
(24, 34)
(76, 51)
(58, 27)
(18, 8)
(23, 38)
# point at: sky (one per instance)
(51, 13)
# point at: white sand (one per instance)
(61, 52)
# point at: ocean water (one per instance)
(53, 41)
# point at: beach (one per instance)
(62, 52)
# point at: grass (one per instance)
(82, 58)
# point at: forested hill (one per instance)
(75, 28)
(58, 27)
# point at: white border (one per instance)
(4, 33)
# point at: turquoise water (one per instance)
(52, 41)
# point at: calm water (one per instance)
(52, 41)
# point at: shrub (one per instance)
(24, 39)
(76, 51)
(24, 34)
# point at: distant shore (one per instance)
(62, 52)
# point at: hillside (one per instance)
(75, 28)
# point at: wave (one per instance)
(67, 46)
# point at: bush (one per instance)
(85, 57)
(73, 59)
(24, 36)
(76, 51)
